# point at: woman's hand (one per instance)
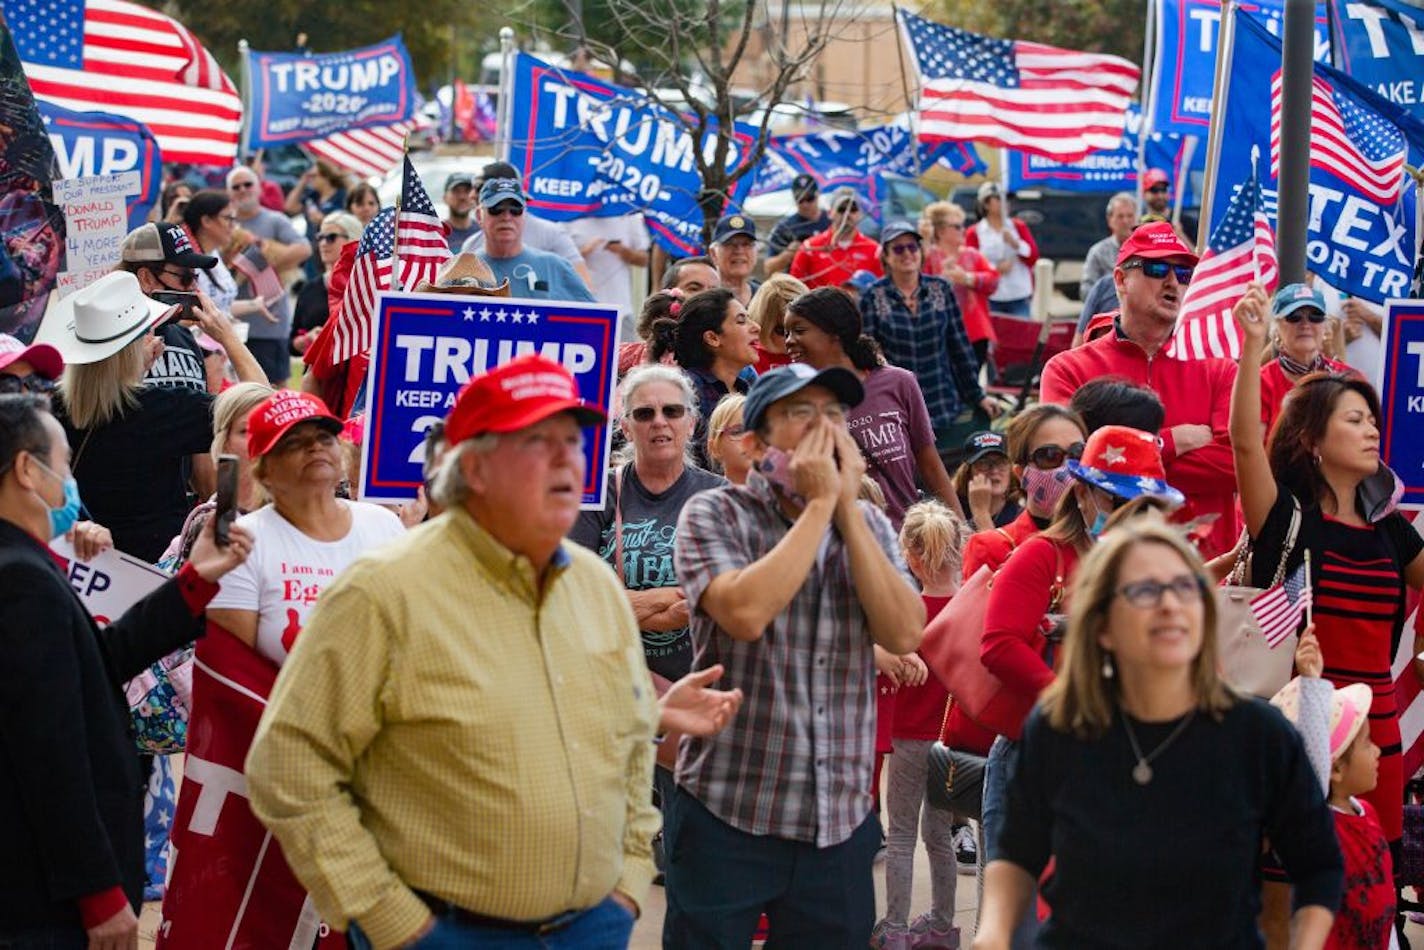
(413, 512)
(913, 671)
(89, 540)
(1252, 313)
(211, 561)
(1308, 660)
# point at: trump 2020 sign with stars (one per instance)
(428, 345)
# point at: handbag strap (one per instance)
(1055, 592)
(618, 521)
(1292, 533)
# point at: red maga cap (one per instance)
(514, 395)
(275, 416)
(1154, 241)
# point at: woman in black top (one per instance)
(1149, 782)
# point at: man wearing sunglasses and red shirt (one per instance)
(1153, 270)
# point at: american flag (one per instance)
(370, 151)
(1278, 611)
(1353, 143)
(1408, 691)
(1241, 249)
(415, 238)
(1035, 98)
(119, 57)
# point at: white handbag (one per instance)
(1247, 661)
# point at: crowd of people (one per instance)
(488, 718)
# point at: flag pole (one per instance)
(395, 239)
(1225, 47)
(911, 101)
(1309, 613)
(504, 119)
(1149, 97)
(244, 78)
(1293, 179)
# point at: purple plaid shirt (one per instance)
(796, 761)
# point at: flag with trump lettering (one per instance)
(413, 243)
(1362, 219)
(1027, 96)
(123, 58)
(1242, 249)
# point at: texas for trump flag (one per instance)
(1242, 249)
(1027, 96)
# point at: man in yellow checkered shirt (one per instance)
(458, 751)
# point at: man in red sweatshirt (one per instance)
(1152, 273)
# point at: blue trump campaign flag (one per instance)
(428, 345)
(1381, 43)
(96, 143)
(858, 159)
(1114, 169)
(1184, 58)
(1362, 224)
(1400, 384)
(295, 97)
(588, 149)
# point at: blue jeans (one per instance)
(720, 880)
(46, 938)
(605, 926)
(1002, 756)
(1013, 308)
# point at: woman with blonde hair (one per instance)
(724, 439)
(1149, 781)
(768, 311)
(973, 277)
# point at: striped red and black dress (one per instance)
(1357, 598)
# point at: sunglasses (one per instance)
(10, 383)
(673, 410)
(512, 210)
(186, 276)
(851, 208)
(242, 185)
(329, 238)
(908, 247)
(1158, 270)
(1049, 457)
(1157, 190)
(1304, 313)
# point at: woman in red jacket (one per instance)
(1298, 337)
(1041, 441)
(1027, 600)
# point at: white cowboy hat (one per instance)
(103, 318)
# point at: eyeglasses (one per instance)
(1157, 190)
(812, 196)
(1148, 594)
(1049, 457)
(10, 383)
(954, 225)
(673, 410)
(851, 208)
(1158, 270)
(512, 210)
(242, 185)
(908, 247)
(185, 276)
(329, 238)
(808, 411)
(1304, 313)
(989, 463)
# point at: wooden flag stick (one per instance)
(1309, 600)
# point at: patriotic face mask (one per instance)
(1044, 488)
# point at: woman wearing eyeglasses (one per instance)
(1149, 782)
(891, 424)
(1298, 335)
(1029, 596)
(337, 230)
(1041, 440)
(916, 320)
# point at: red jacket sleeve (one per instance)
(1205, 469)
(971, 238)
(984, 547)
(1059, 380)
(986, 275)
(1027, 237)
(1012, 645)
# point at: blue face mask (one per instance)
(1095, 530)
(61, 519)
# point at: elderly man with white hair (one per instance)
(265, 238)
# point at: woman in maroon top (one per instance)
(1041, 441)
(1323, 457)
(1027, 604)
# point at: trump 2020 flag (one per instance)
(120, 57)
(1360, 233)
(1016, 94)
(1278, 611)
(1242, 249)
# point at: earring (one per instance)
(1107, 666)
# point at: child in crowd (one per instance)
(1333, 723)
(932, 537)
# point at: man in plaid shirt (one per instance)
(791, 580)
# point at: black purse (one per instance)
(955, 781)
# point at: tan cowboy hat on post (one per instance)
(103, 318)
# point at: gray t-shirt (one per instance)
(538, 275)
(1101, 259)
(269, 224)
(649, 526)
(539, 234)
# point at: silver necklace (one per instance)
(1142, 771)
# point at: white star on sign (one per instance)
(1113, 454)
(531, 316)
(485, 315)
(499, 316)
(517, 316)
(469, 313)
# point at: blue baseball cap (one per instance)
(731, 226)
(497, 191)
(860, 281)
(785, 380)
(1292, 297)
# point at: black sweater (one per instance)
(71, 792)
(1172, 863)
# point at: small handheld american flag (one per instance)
(1278, 611)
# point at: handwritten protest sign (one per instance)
(96, 220)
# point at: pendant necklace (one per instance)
(1142, 771)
